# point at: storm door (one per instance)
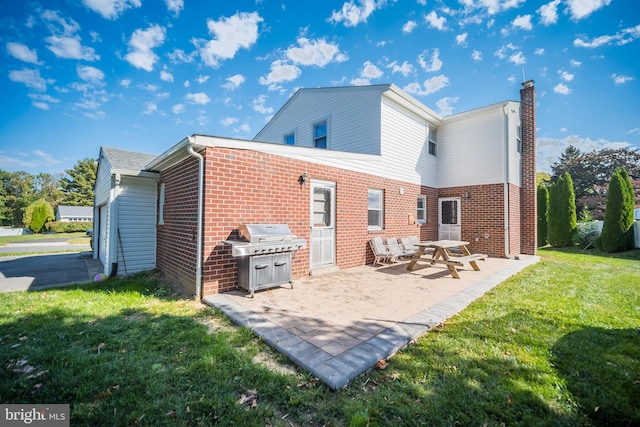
(449, 222)
(323, 224)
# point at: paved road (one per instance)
(32, 272)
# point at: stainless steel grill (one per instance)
(264, 256)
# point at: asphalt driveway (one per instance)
(34, 272)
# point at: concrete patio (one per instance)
(338, 325)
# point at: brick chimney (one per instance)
(528, 198)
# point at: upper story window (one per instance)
(421, 212)
(290, 139)
(519, 139)
(320, 135)
(375, 215)
(433, 138)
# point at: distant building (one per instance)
(74, 213)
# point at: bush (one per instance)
(586, 234)
(543, 214)
(28, 213)
(68, 227)
(617, 230)
(562, 212)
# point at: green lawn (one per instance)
(42, 236)
(556, 345)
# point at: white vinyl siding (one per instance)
(103, 182)
(137, 219)
(472, 147)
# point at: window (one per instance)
(432, 141)
(519, 139)
(290, 139)
(375, 210)
(421, 213)
(320, 135)
(449, 212)
(161, 207)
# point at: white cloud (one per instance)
(550, 149)
(125, 82)
(148, 87)
(518, 58)
(575, 63)
(435, 22)
(562, 89)
(549, 12)
(90, 74)
(405, 69)
(522, 22)
(70, 48)
(95, 115)
(492, 6)
(445, 106)
(565, 75)
(111, 9)
(461, 39)
(622, 37)
(141, 44)
(409, 26)
(360, 82)
(228, 121)
(280, 72)
(202, 79)
(431, 85)
(178, 109)
(200, 98)
(539, 51)
(234, 82)
(315, 52)
(152, 107)
(22, 52)
(258, 105)
(30, 78)
(620, 79)
(433, 64)
(351, 14)
(229, 35)
(59, 25)
(41, 105)
(179, 56)
(175, 6)
(370, 71)
(166, 76)
(582, 8)
(476, 55)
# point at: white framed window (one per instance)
(433, 141)
(320, 135)
(290, 139)
(421, 210)
(376, 209)
(161, 205)
(519, 139)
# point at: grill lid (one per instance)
(256, 233)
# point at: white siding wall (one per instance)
(137, 225)
(102, 193)
(353, 119)
(472, 148)
(404, 146)
(103, 182)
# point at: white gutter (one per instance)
(507, 250)
(200, 202)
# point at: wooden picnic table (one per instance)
(442, 254)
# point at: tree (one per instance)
(16, 190)
(618, 221)
(591, 172)
(38, 214)
(47, 186)
(78, 186)
(562, 212)
(543, 214)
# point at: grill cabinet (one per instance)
(264, 257)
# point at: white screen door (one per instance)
(449, 219)
(323, 229)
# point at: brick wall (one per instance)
(177, 238)
(528, 219)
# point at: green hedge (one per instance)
(68, 227)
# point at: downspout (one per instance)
(199, 232)
(507, 228)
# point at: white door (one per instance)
(101, 238)
(323, 228)
(449, 224)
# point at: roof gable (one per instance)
(127, 160)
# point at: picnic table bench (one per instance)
(442, 254)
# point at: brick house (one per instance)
(369, 161)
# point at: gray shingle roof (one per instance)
(75, 211)
(127, 160)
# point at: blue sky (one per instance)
(143, 74)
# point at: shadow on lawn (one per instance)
(602, 371)
(135, 367)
